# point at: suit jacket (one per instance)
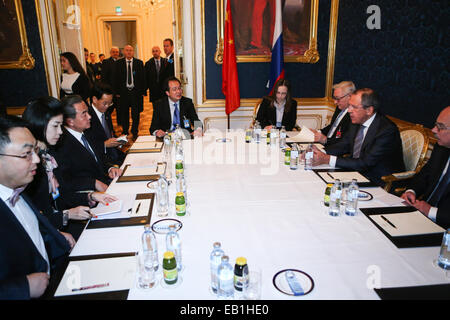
(169, 68)
(155, 83)
(76, 166)
(120, 76)
(268, 116)
(81, 87)
(162, 118)
(427, 179)
(343, 127)
(107, 71)
(20, 257)
(381, 151)
(97, 134)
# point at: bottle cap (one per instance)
(225, 258)
(241, 261)
(147, 226)
(168, 255)
(217, 244)
(288, 149)
(329, 184)
(180, 194)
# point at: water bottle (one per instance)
(294, 157)
(226, 279)
(173, 243)
(163, 196)
(273, 136)
(335, 198)
(179, 151)
(150, 248)
(351, 206)
(309, 154)
(181, 186)
(257, 132)
(283, 137)
(215, 261)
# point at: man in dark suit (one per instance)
(30, 246)
(81, 164)
(429, 190)
(89, 71)
(101, 130)
(340, 122)
(170, 61)
(373, 141)
(107, 77)
(154, 70)
(174, 109)
(130, 87)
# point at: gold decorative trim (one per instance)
(26, 60)
(332, 49)
(41, 35)
(310, 56)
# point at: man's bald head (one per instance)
(156, 52)
(128, 51)
(441, 128)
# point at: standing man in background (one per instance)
(130, 87)
(154, 71)
(170, 62)
(107, 77)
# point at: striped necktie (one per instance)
(358, 142)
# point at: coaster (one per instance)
(281, 284)
(172, 286)
(364, 196)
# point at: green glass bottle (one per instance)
(240, 274)
(180, 204)
(170, 268)
(179, 169)
(326, 199)
(268, 137)
(287, 156)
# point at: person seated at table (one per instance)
(45, 119)
(429, 190)
(30, 247)
(340, 121)
(101, 130)
(373, 142)
(174, 109)
(278, 109)
(81, 164)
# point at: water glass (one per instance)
(443, 260)
(253, 290)
(146, 278)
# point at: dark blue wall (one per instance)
(18, 86)
(406, 61)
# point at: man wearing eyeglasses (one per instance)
(429, 190)
(373, 142)
(174, 109)
(29, 244)
(101, 130)
(340, 122)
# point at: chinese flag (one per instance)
(230, 81)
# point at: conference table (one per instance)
(244, 196)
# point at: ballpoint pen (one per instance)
(91, 287)
(382, 217)
(139, 205)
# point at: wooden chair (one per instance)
(255, 113)
(415, 143)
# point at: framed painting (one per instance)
(14, 51)
(253, 22)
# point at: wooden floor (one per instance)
(144, 122)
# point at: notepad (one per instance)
(112, 207)
(305, 135)
(348, 176)
(141, 207)
(406, 224)
(144, 170)
(146, 145)
(142, 139)
(97, 275)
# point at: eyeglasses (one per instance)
(337, 99)
(441, 126)
(28, 155)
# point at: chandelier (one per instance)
(148, 5)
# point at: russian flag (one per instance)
(277, 63)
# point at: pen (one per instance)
(91, 287)
(330, 175)
(382, 217)
(139, 205)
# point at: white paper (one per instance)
(118, 273)
(407, 223)
(146, 145)
(132, 171)
(141, 139)
(122, 139)
(112, 207)
(305, 135)
(348, 176)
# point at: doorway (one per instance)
(121, 33)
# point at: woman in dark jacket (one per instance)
(45, 118)
(74, 80)
(278, 109)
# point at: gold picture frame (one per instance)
(17, 54)
(310, 55)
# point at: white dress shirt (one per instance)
(172, 111)
(279, 111)
(28, 220)
(77, 136)
(337, 122)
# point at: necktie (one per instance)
(176, 115)
(105, 126)
(129, 73)
(15, 196)
(358, 142)
(335, 124)
(440, 189)
(157, 70)
(86, 145)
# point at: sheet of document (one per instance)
(112, 207)
(98, 275)
(406, 224)
(305, 135)
(347, 176)
(141, 208)
(141, 139)
(108, 240)
(133, 171)
(146, 145)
